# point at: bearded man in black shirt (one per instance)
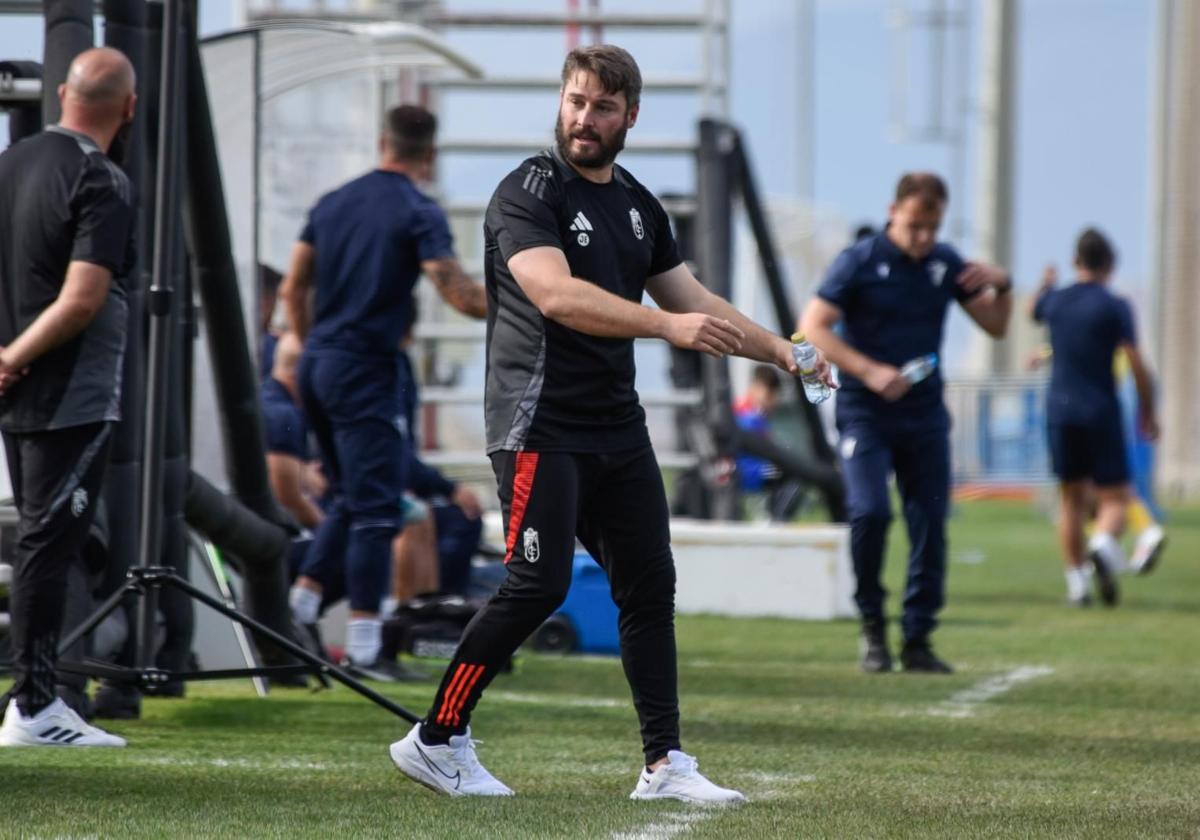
(573, 241)
(66, 228)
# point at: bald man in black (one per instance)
(66, 225)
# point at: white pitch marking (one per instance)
(240, 763)
(555, 700)
(669, 827)
(964, 703)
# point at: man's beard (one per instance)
(604, 154)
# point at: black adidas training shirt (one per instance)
(549, 387)
(61, 200)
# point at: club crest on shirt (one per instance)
(79, 502)
(937, 272)
(533, 549)
(635, 219)
(883, 270)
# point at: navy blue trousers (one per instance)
(917, 450)
(354, 408)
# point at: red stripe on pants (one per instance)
(522, 485)
(451, 690)
(465, 693)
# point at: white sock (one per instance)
(1077, 583)
(1109, 550)
(305, 604)
(364, 638)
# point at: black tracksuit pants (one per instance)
(616, 505)
(56, 477)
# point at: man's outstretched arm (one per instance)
(545, 278)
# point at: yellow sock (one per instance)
(1139, 516)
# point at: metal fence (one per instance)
(999, 430)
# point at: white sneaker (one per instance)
(57, 725)
(679, 779)
(1148, 549)
(452, 769)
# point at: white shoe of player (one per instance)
(57, 725)
(1148, 550)
(445, 768)
(680, 779)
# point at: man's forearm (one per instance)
(59, 323)
(838, 352)
(759, 344)
(587, 308)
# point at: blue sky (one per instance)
(1083, 92)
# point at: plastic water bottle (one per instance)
(919, 368)
(806, 359)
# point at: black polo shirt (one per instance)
(62, 200)
(549, 387)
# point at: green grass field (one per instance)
(1100, 740)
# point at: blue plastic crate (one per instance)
(590, 609)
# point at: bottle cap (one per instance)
(797, 337)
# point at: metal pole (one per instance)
(806, 82)
(997, 140)
(159, 307)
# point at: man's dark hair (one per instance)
(613, 66)
(1094, 252)
(863, 231)
(409, 131)
(767, 376)
(929, 189)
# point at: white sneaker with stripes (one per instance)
(680, 779)
(57, 725)
(445, 768)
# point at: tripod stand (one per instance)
(147, 579)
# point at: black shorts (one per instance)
(1093, 451)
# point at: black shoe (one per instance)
(117, 702)
(874, 656)
(384, 670)
(1106, 579)
(917, 657)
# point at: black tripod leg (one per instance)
(291, 647)
(99, 615)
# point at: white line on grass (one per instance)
(559, 700)
(964, 703)
(668, 827)
(239, 763)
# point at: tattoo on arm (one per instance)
(457, 289)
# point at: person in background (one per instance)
(295, 478)
(889, 293)
(351, 277)
(1088, 324)
(67, 217)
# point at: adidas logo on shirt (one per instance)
(581, 224)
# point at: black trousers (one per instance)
(615, 504)
(56, 478)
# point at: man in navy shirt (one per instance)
(1087, 325)
(890, 292)
(360, 254)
